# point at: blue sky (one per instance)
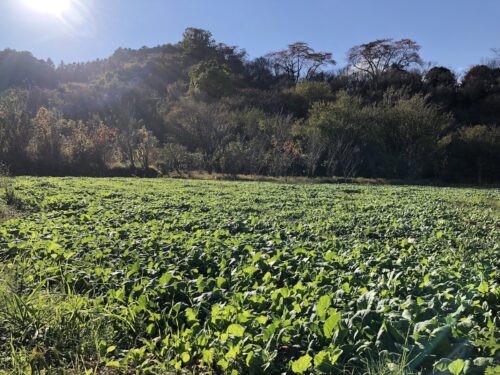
(453, 33)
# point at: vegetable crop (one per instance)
(160, 276)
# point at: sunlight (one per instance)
(53, 7)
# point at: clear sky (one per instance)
(453, 33)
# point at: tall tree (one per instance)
(211, 79)
(440, 77)
(198, 44)
(494, 62)
(202, 128)
(299, 61)
(15, 129)
(377, 57)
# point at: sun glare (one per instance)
(53, 7)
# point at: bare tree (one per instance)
(376, 57)
(495, 60)
(343, 158)
(127, 141)
(315, 146)
(299, 61)
(201, 127)
(283, 150)
(147, 147)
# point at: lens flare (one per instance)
(53, 7)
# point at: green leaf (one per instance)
(346, 287)
(334, 355)
(267, 277)
(235, 330)
(323, 304)
(250, 270)
(165, 278)
(262, 319)
(441, 365)
(490, 370)
(208, 356)
(223, 363)
(302, 364)
(111, 349)
(191, 315)
(248, 360)
(456, 366)
(331, 324)
(234, 350)
(220, 281)
(325, 359)
(407, 314)
(185, 357)
(483, 287)
(320, 358)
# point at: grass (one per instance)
(202, 175)
(45, 328)
(7, 212)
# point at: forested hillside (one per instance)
(204, 105)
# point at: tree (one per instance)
(138, 145)
(200, 127)
(442, 86)
(283, 150)
(481, 80)
(314, 145)
(198, 44)
(247, 148)
(440, 77)
(22, 69)
(300, 97)
(259, 73)
(211, 79)
(146, 148)
(90, 145)
(314, 91)
(103, 143)
(333, 135)
(408, 128)
(376, 57)
(471, 154)
(299, 61)
(232, 57)
(46, 141)
(494, 62)
(15, 129)
(175, 157)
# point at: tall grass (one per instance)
(44, 331)
(10, 203)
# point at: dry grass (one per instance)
(201, 175)
(6, 213)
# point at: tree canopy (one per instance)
(201, 104)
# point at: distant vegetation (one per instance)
(202, 105)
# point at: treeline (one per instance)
(202, 105)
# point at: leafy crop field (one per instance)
(158, 276)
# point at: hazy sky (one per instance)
(453, 33)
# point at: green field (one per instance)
(157, 276)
